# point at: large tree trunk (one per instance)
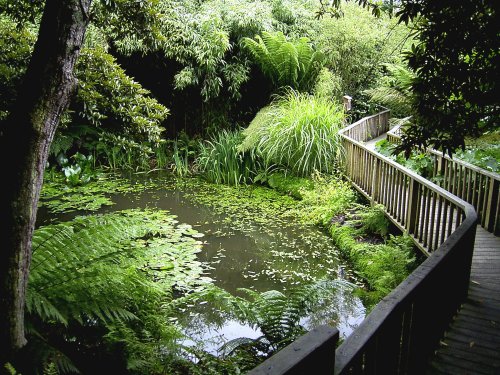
(25, 139)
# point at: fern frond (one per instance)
(286, 63)
(90, 267)
(229, 347)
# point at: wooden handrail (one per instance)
(475, 185)
(404, 328)
(314, 350)
(402, 331)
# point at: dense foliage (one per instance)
(220, 161)
(457, 65)
(105, 290)
(357, 45)
(110, 109)
(393, 90)
(106, 282)
(287, 63)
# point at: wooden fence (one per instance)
(402, 331)
(474, 185)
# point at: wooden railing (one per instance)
(404, 328)
(474, 185)
(314, 350)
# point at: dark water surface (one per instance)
(259, 255)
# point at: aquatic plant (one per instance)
(221, 162)
(58, 197)
(78, 171)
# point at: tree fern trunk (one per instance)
(25, 138)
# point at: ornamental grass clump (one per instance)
(299, 132)
(220, 162)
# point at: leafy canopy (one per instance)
(106, 97)
(457, 65)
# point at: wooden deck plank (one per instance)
(472, 343)
(465, 345)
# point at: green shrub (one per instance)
(107, 97)
(299, 132)
(357, 45)
(16, 43)
(421, 163)
(328, 85)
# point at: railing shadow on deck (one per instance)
(403, 329)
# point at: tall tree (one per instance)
(25, 138)
(457, 64)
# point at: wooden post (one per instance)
(375, 182)
(413, 204)
(491, 208)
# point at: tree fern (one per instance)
(394, 90)
(284, 62)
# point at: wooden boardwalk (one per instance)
(472, 343)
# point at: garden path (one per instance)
(472, 343)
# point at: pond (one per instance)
(249, 242)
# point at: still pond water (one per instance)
(250, 250)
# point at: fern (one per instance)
(275, 313)
(373, 220)
(394, 90)
(286, 63)
(117, 272)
